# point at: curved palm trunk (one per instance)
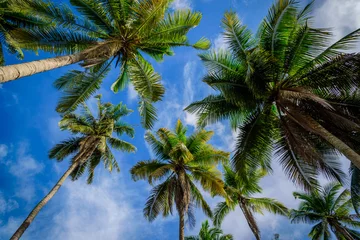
(85, 152)
(336, 142)
(249, 218)
(341, 230)
(15, 71)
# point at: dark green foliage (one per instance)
(88, 127)
(181, 161)
(207, 233)
(120, 32)
(286, 90)
(329, 210)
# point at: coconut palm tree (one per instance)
(240, 191)
(11, 20)
(207, 233)
(107, 32)
(283, 89)
(329, 210)
(181, 162)
(91, 144)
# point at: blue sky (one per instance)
(111, 208)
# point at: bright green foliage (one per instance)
(11, 20)
(281, 88)
(207, 233)
(181, 161)
(118, 31)
(330, 210)
(85, 126)
(239, 190)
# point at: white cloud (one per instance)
(107, 209)
(3, 151)
(343, 16)
(7, 205)
(132, 94)
(220, 43)
(25, 166)
(181, 4)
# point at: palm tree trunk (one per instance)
(181, 226)
(336, 142)
(249, 218)
(15, 71)
(85, 152)
(341, 230)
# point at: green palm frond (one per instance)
(159, 199)
(94, 141)
(78, 87)
(120, 145)
(271, 205)
(65, 148)
(238, 37)
(355, 188)
(254, 145)
(183, 161)
(152, 170)
(222, 209)
(147, 113)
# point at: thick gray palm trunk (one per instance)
(86, 150)
(15, 71)
(250, 219)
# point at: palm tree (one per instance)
(207, 233)
(239, 190)
(107, 31)
(11, 20)
(91, 144)
(329, 210)
(283, 90)
(181, 162)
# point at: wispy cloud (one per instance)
(3, 151)
(181, 4)
(24, 168)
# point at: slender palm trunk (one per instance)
(182, 201)
(336, 142)
(250, 219)
(85, 152)
(181, 226)
(15, 71)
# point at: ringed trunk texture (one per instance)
(15, 71)
(85, 152)
(250, 219)
(337, 143)
(181, 226)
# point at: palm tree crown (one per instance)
(96, 134)
(11, 20)
(239, 190)
(285, 90)
(106, 31)
(329, 210)
(207, 233)
(181, 161)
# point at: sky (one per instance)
(111, 208)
